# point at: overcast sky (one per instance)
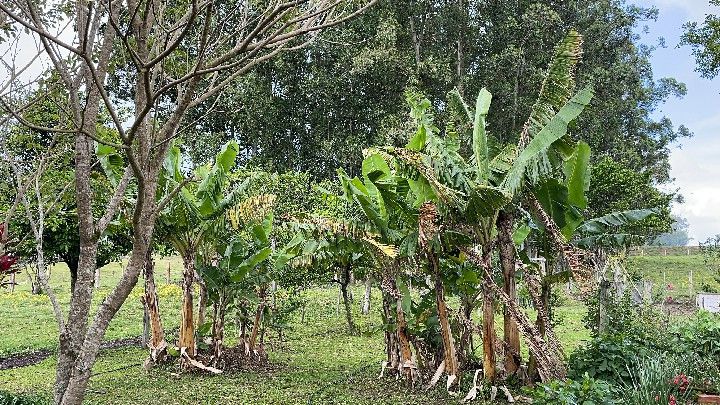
(696, 161)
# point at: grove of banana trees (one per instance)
(447, 224)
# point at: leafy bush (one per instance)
(632, 332)
(586, 391)
(704, 373)
(700, 334)
(606, 358)
(625, 358)
(624, 316)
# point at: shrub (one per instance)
(606, 358)
(700, 334)
(704, 373)
(570, 392)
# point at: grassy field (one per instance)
(317, 362)
(674, 270)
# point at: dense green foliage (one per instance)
(616, 187)
(583, 391)
(422, 216)
(309, 110)
(704, 38)
(638, 339)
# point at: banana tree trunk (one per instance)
(449, 354)
(202, 301)
(219, 310)
(546, 353)
(533, 372)
(391, 344)
(511, 335)
(258, 319)
(466, 337)
(156, 344)
(488, 329)
(366, 297)
(187, 327)
(406, 363)
(344, 283)
(488, 325)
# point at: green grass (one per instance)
(674, 270)
(317, 363)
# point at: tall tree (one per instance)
(704, 38)
(350, 85)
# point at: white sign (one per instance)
(708, 302)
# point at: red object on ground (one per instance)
(709, 399)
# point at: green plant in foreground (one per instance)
(656, 379)
(586, 391)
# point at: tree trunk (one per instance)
(187, 328)
(533, 373)
(344, 282)
(391, 346)
(156, 343)
(72, 263)
(466, 336)
(405, 352)
(488, 329)
(202, 302)
(366, 297)
(511, 334)
(218, 326)
(449, 354)
(36, 287)
(258, 318)
(97, 278)
(72, 341)
(488, 325)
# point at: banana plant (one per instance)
(466, 193)
(340, 249)
(383, 196)
(188, 218)
(235, 268)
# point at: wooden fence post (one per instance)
(691, 282)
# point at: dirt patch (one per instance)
(36, 356)
(235, 360)
(679, 308)
(24, 359)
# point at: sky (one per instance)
(695, 161)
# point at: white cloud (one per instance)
(696, 169)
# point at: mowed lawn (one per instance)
(317, 362)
